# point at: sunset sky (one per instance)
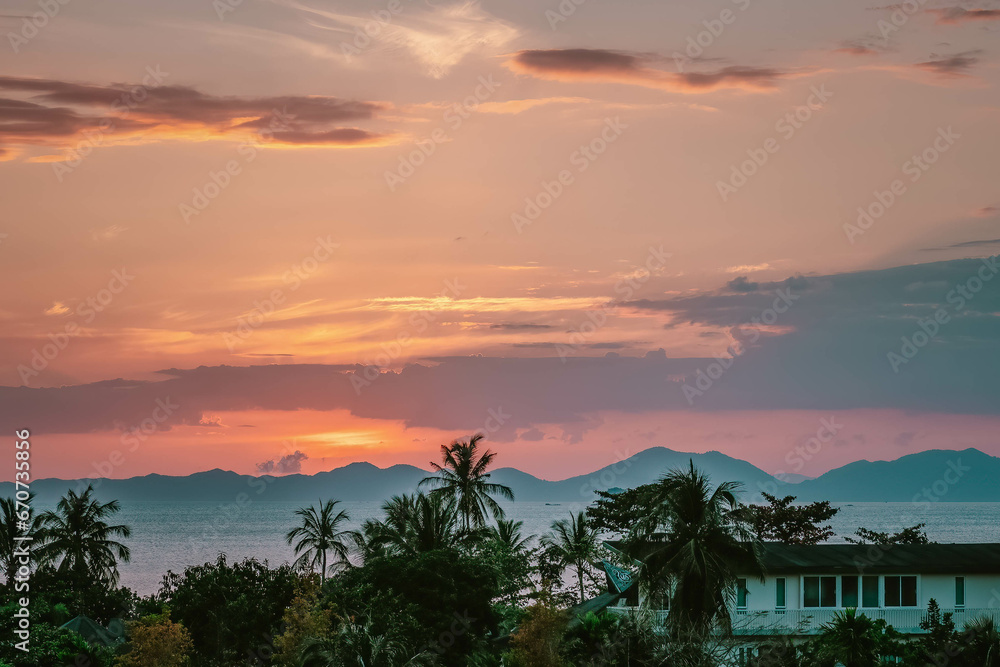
(287, 235)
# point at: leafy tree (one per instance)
(695, 540)
(537, 641)
(438, 601)
(912, 535)
(573, 543)
(619, 512)
(941, 636)
(304, 618)
(857, 641)
(781, 521)
(156, 641)
(51, 646)
(319, 534)
(80, 541)
(463, 478)
(232, 610)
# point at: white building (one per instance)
(803, 586)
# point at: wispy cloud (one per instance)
(956, 15)
(438, 38)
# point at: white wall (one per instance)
(981, 591)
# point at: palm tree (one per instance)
(79, 538)
(507, 534)
(463, 478)
(9, 530)
(356, 645)
(573, 543)
(852, 639)
(319, 534)
(417, 524)
(984, 642)
(509, 550)
(693, 543)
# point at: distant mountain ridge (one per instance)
(931, 476)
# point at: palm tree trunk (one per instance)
(322, 575)
(579, 578)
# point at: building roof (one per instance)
(90, 630)
(777, 558)
(593, 605)
(873, 559)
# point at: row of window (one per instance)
(852, 591)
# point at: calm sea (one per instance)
(171, 535)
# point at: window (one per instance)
(779, 592)
(741, 593)
(900, 591)
(848, 591)
(959, 591)
(819, 591)
(869, 591)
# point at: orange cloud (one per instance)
(603, 66)
(53, 113)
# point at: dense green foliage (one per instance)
(912, 535)
(232, 610)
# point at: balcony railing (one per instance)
(810, 621)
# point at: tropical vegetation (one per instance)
(442, 577)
